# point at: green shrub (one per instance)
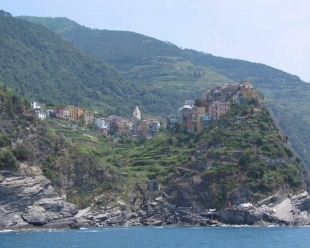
(7, 160)
(288, 152)
(21, 152)
(5, 140)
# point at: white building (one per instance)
(40, 114)
(35, 105)
(136, 113)
(103, 124)
(153, 127)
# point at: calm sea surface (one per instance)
(161, 237)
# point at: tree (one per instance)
(198, 102)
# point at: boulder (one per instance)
(35, 215)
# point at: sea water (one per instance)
(150, 237)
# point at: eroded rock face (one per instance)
(292, 210)
(32, 201)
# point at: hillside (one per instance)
(164, 77)
(39, 65)
(202, 170)
(171, 74)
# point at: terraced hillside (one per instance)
(168, 74)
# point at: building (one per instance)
(103, 125)
(197, 121)
(35, 105)
(171, 120)
(217, 109)
(183, 112)
(59, 112)
(136, 113)
(206, 119)
(88, 117)
(189, 123)
(153, 185)
(153, 126)
(66, 112)
(240, 120)
(50, 113)
(78, 112)
(117, 124)
(189, 102)
(199, 110)
(40, 114)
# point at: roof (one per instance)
(187, 106)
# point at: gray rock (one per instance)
(102, 217)
(31, 200)
(35, 215)
(115, 220)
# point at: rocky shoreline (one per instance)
(32, 203)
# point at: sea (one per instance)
(160, 237)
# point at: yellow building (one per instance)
(199, 123)
(78, 112)
(249, 92)
(200, 110)
(71, 113)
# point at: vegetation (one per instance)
(87, 165)
(240, 155)
(38, 65)
(167, 75)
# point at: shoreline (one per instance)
(184, 225)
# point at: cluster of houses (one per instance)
(133, 126)
(212, 105)
(109, 125)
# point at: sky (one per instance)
(272, 32)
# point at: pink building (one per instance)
(59, 112)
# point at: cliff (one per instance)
(228, 164)
(27, 202)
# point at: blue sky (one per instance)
(272, 32)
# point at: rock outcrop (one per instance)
(292, 210)
(32, 201)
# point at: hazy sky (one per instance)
(272, 32)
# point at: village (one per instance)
(113, 124)
(213, 104)
(195, 114)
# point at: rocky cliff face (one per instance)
(292, 210)
(32, 201)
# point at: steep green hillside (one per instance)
(166, 71)
(163, 76)
(201, 169)
(37, 64)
